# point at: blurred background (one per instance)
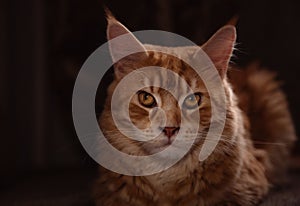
(43, 44)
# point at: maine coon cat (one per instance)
(251, 155)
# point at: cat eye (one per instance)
(192, 101)
(146, 99)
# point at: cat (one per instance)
(251, 155)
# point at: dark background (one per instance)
(43, 45)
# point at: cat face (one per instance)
(169, 113)
(171, 108)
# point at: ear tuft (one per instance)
(109, 15)
(233, 21)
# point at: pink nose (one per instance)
(170, 131)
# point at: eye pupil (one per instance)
(146, 99)
(192, 101)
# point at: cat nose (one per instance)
(170, 131)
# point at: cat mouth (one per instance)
(155, 148)
(165, 145)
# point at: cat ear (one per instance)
(219, 48)
(120, 48)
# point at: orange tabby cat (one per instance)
(242, 167)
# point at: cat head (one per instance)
(172, 101)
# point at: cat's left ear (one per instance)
(220, 47)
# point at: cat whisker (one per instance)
(269, 143)
(254, 141)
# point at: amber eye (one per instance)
(146, 99)
(192, 101)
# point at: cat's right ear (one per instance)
(124, 45)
